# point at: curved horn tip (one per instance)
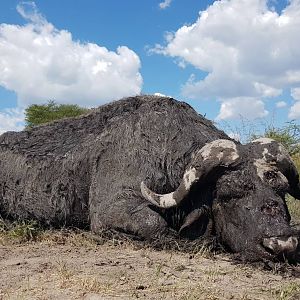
(163, 201)
(147, 194)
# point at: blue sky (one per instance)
(229, 59)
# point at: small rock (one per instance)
(141, 287)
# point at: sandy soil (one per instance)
(74, 267)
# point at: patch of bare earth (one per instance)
(74, 267)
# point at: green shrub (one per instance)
(25, 230)
(21, 231)
(45, 113)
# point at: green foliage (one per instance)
(25, 230)
(22, 231)
(45, 113)
(294, 208)
(288, 136)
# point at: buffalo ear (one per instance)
(287, 167)
(283, 162)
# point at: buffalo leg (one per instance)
(129, 213)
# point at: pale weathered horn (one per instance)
(217, 153)
(274, 153)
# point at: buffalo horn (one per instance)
(219, 153)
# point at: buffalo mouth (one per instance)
(278, 246)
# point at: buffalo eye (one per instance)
(271, 175)
(271, 208)
(276, 182)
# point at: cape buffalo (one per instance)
(151, 166)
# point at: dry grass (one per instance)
(288, 291)
(294, 209)
(69, 265)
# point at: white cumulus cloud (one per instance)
(281, 104)
(294, 112)
(246, 48)
(160, 95)
(165, 4)
(295, 93)
(40, 62)
(244, 107)
(11, 119)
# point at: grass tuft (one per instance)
(294, 209)
(25, 231)
(288, 292)
(19, 231)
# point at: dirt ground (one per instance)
(61, 266)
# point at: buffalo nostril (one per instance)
(281, 245)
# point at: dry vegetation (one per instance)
(66, 264)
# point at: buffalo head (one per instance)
(248, 207)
